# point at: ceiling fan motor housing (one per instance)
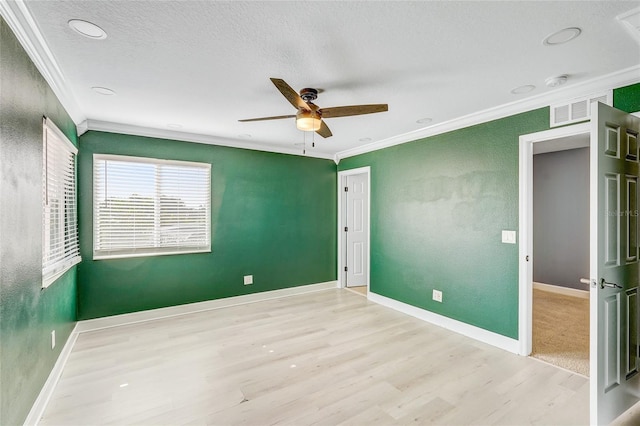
(308, 94)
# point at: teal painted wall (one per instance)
(438, 208)
(627, 98)
(28, 314)
(273, 217)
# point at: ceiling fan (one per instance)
(310, 116)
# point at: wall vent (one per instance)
(578, 109)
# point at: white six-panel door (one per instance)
(615, 382)
(356, 231)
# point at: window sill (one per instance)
(148, 254)
(58, 271)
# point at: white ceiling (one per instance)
(205, 64)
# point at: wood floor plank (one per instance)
(325, 358)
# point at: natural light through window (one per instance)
(147, 206)
(60, 249)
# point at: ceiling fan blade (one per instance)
(324, 130)
(291, 95)
(277, 117)
(344, 111)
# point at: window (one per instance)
(60, 249)
(147, 206)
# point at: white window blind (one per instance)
(147, 206)
(60, 249)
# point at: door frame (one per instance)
(342, 220)
(525, 225)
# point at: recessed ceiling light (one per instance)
(556, 81)
(424, 120)
(523, 89)
(104, 90)
(562, 36)
(365, 139)
(87, 29)
(174, 126)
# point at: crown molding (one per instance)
(628, 20)
(617, 79)
(19, 19)
(128, 129)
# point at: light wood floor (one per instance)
(360, 290)
(327, 358)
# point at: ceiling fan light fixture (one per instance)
(307, 121)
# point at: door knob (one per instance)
(604, 284)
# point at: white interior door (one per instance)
(615, 382)
(357, 229)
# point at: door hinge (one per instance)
(346, 189)
(345, 269)
(346, 229)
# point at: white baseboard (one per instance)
(477, 333)
(171, 311)
(574, 292)
(37, 409)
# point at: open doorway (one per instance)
(613, 278)
(546, 142)
(560, 262)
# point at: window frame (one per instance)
(104, 254)
(67, 209)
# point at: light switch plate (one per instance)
(248, 279)
(509, 237)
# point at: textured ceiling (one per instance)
(204, 65)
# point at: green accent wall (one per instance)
(273, 217)
(627, 98)
(28, 313)
(438, 208)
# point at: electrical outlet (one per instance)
(248, 279)
(437, 296)
(53, 339)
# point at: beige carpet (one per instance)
(561, 330)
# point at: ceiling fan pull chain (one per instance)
(304, 143)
